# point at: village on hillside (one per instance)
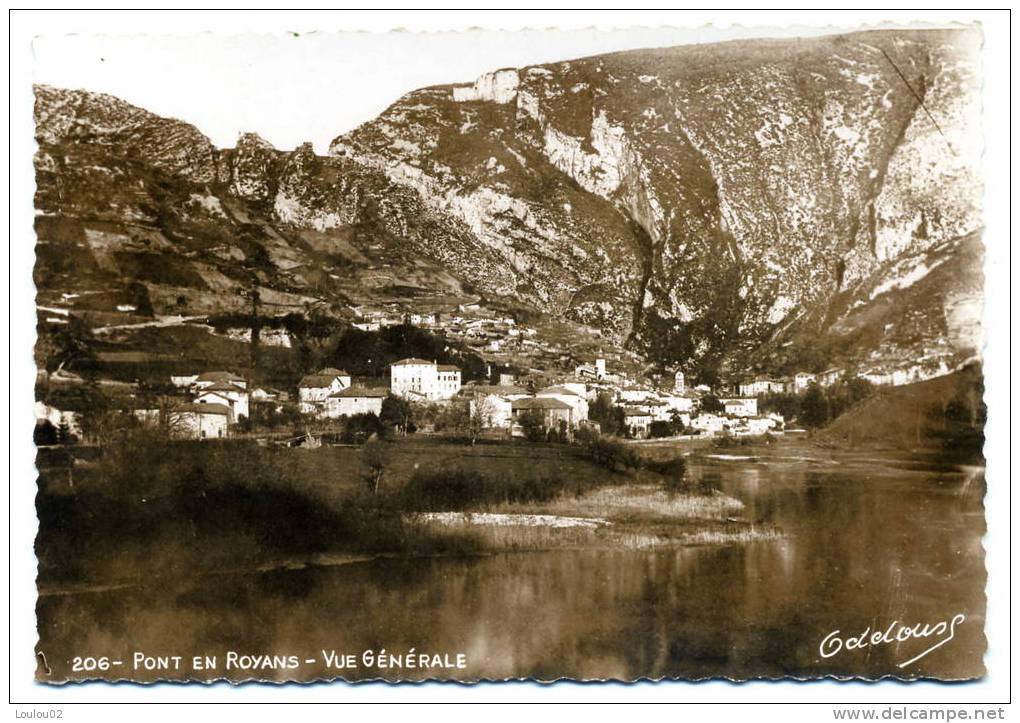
(536, 383)
(426, 396)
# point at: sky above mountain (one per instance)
(292, 88)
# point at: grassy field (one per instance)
(946, 414)
(333, 472)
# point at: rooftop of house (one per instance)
(222, 387)
(316, 381)
(219, 377)
(219, 395)
(499, 389)
(539, 403)
(636, 412)
(333, 371)
(447, 368)
(558, 390)
(358, 392)
(206, 408)
(412, 361)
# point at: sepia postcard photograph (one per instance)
(646, 354)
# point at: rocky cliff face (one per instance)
(693, 202)
(755, 179)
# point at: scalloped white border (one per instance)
(737, 23)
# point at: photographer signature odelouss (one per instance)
(943, 631)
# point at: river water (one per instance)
(868, 542)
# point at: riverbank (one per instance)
(208, 507)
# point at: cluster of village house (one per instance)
(563, 406)
(220, 399)
(470, 324)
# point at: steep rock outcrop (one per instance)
(252, 168)
(96, 119)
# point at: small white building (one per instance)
(760, 425)
(314, 389)
(578, 403)
(755, 388)
(638, 420)
(578, 388)
(802, 380)
(264, 394)
(596, 371)
(426, 320)
(741, 406)
(660, 411)
(493, 404)
(830, 377)
(200, 421)
(231, 395)
(679, 383)
(355, 400)
(679, 402)
(708, 423)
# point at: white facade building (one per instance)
(755, 388)
(638, 420)
(56, 417)
(448, 380)
(633, 395)
(421, 379)
(802, 381)
(741, 406)
(710, 423)
(680, 403)
(233, 397)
